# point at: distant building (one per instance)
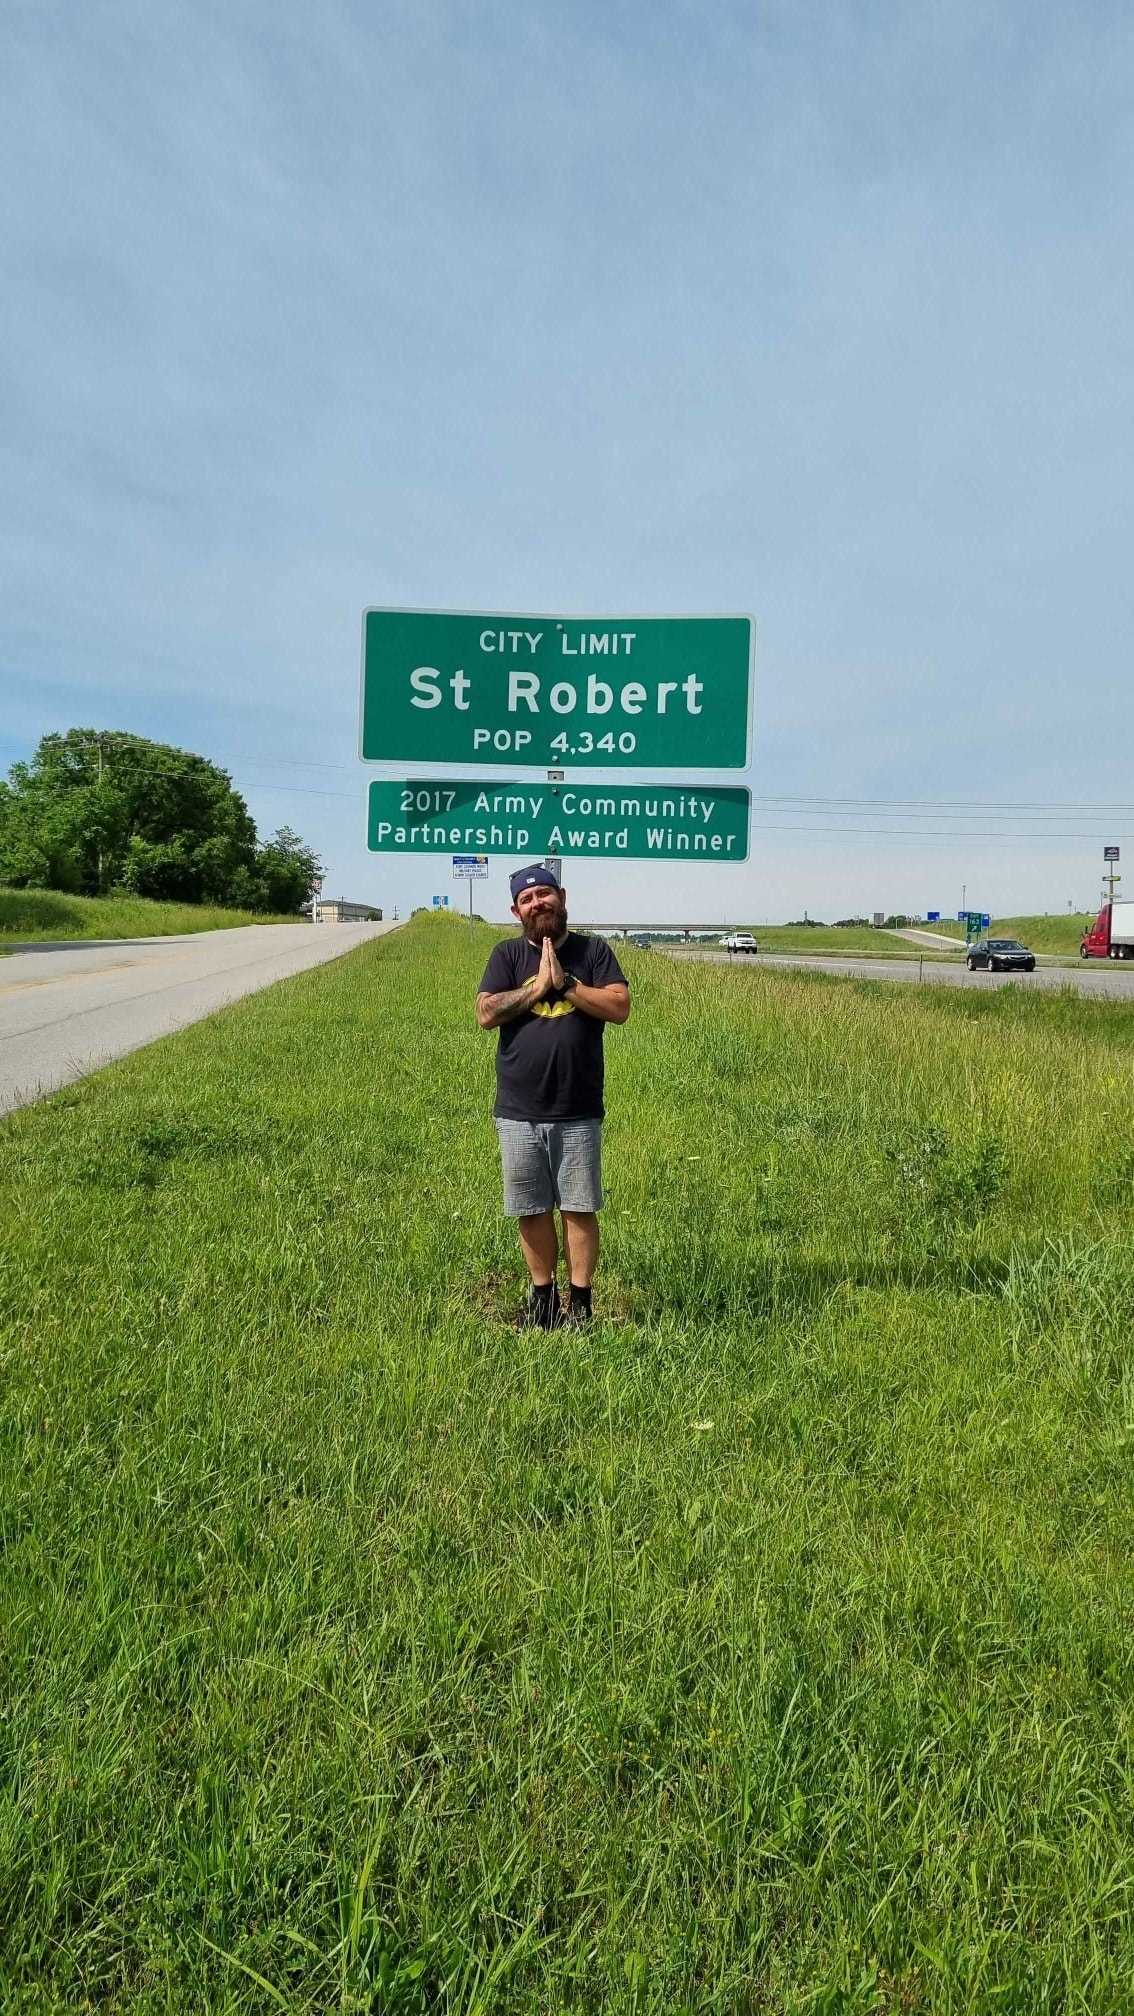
(336, 910)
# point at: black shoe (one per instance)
(577, 1315)
(541, 1311)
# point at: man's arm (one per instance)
(493, 1009)
(606, 1004)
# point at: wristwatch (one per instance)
(569, 980)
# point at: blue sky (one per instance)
(822, 313)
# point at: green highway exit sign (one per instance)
(634, 822)
(578, 692)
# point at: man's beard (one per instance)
(547, 924)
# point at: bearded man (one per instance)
(549, 992)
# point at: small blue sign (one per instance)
(985, 921)
(933, 916)
(437, 902)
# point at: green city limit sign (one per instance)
(653, 822)
(586, 692)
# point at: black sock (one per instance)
(580, 1298)
(545, 1302)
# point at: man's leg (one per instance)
(578, 1153)
(529, 1195)
(540, 1246)
(581, 1238)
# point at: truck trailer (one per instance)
(1111, 936)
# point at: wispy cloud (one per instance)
(822, 312)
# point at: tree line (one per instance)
(97, 810)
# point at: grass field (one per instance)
(46, 913)
(766, 1649)
(855, 940)
(1042, 934)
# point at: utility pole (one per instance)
(99, 748)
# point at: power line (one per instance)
(158, 759)
(993, 808)
(899, 808)
(159, 762)
(1054, 806)
(932, 833)
(303, 791)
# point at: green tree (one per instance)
(37, 840)
(287, 871)
(96, 809)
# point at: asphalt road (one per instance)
(66, 1009)
(1095, 978)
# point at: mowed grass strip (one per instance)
(767, 1648)
(33, 914)
(1059, 934)
(847, 941)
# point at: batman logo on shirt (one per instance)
(553, 1008)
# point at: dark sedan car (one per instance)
(1000, 955)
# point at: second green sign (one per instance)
(658, 822)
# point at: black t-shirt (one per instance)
(549, 1060)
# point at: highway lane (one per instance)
(65, 1010)
(1096, 978)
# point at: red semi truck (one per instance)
(1111, 936)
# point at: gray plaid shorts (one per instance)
(549, 1162)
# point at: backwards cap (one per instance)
(538, 876)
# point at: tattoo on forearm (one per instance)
(504, 1007)
(516, 998)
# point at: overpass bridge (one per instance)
(656, 930)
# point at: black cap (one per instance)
(538, 876)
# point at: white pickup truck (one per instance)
(740, 941)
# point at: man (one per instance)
(549, 993)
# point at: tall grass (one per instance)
(47, 913)
(766, 1648)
